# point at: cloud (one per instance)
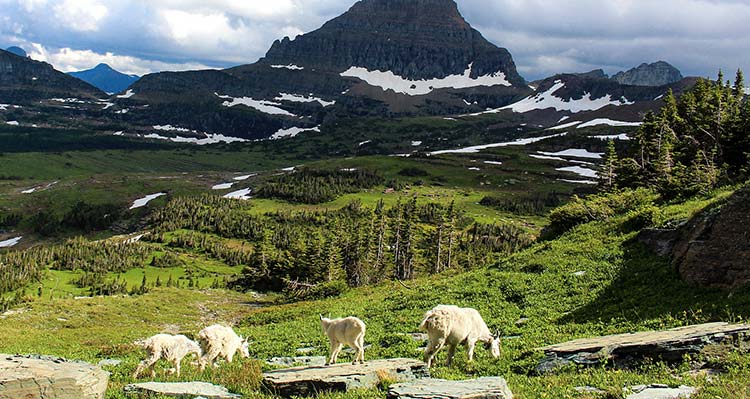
(544, 36)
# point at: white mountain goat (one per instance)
(451, 325)
(221, 341)
(170, 347)
(347, 331)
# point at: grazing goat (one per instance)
(170, 347)
(451, 325)
(347, 331)
(221, 341)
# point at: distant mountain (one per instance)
(23, 80)
(106, 78)
(657, 74)
(17, 51)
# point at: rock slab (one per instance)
(44, 377)
(342, 377)
(480, 388)
(180, 390)
(624, 349)
(661, 392)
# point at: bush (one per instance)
(598, 207)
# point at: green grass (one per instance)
(625, 288)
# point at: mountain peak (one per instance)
(659, 73)
(17, 51)
(106, 78)
(413, 39)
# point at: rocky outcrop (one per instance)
(415, 39)
(43, 377)
(431, 388)
(342, 377)
(659, 391)
(712, 249)
(195, 389)
(624, 350)
(23, 80)
(657, 74)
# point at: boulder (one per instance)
(428, 388)
(342, 377)
(44, 377)
(626, 349)
(180, 390)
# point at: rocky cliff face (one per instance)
(657, 74)
(23, 79)
(713, 248)
(415, 39)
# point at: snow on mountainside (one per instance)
(548, 99)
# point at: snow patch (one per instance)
(141, 202)
(12, 123)
(11, 242)
(302, 99)
(416, 143)
(580, 171)
(290, 66)
(243, 194)
(578, 181)
(564, 126)
(222, 186)
(546, 157)
(563, 119)
(364, 142)
(623, 137)
(576, 153)
(244, 177)
(68, 100)
(209, 139)
(474, 168)
(547, 99)
(127, 94)
(659, 97)
(477, 148)
(289, 169)
(292, 131)
(450, 119)
(265, 106)
(493, 162)
(389, 81)
(608, 122)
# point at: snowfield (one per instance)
(576, 153)
(477, 148)
(547, 99)
(302, 99)
(608, 122)
(127, 94)
(12, 123)
(10, 242)
(292, 131)
(564, 126)
(244, 177)
(580, 171)
(243, 194)
(265, 106)
(389, 81)
(141, 202)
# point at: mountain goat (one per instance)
(347, 331)
(221, 341)
(170, 347)
(451, 325)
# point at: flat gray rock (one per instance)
(660, 392)
(180, 390)
(297, 360)
(428, 388)
(341, 377)
(109, 362)
(50, 378)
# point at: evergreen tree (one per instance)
(608, 173)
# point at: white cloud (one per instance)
(80, 15)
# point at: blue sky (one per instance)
(544, 36)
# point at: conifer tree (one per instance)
(608, 173)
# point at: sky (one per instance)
(545, 37)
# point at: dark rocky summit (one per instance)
(415, 39)
(657, 74)
(17, 51)
(106, 78)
